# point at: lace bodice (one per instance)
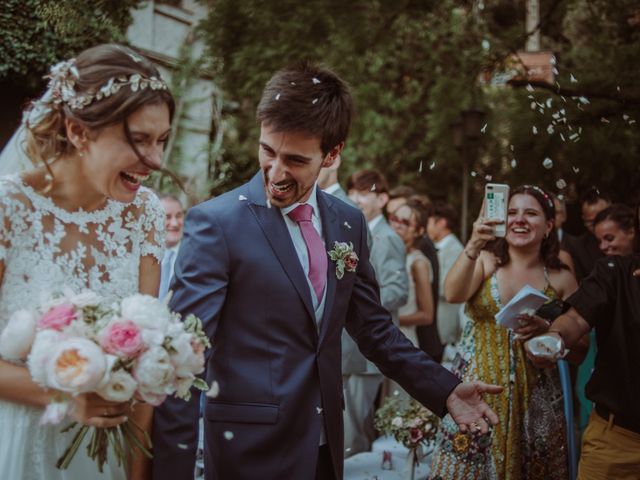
(45, 248)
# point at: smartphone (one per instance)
(496, 196)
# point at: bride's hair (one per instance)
(101, 87)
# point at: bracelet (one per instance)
(473, 259)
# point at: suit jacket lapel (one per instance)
(331, 229)
(275, 229)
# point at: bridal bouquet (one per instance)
(131, 350)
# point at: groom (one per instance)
(254, 266)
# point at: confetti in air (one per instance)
(573, 79)
(547, 163)
(485, 44)
(278, 97)
(604, 120)
(534, 130)
(319, 410)
(512, 147)
(347, 226)
(488, 178)
(433, 165)
(420, 167)
(484, 128)
(315, 100)
(584, 100)
(548, 102)
(561, 184)
(373, 187)
(562, 137)
(611, 264)
(575, 169)
(474, 174)
(514, 163)
(228, 435)
(242, 197)
(529, 87)
(293, 83)
(550, 129)
(268, 203)
(315, 81)
(182, 446)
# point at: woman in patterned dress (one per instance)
(529, 443)
(80, 220)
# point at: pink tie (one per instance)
(317, 254)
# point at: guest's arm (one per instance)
(421, 272)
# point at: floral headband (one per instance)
(61, 89)
(543, 194)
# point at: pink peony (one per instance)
(57, 317)
(122, 338)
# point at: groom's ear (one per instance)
(332, 155)
(76, 133)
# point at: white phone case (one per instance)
(496, 202)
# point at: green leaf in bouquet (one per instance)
(200, 384)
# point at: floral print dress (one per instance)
(529, 443)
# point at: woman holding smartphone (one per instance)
(530, 440)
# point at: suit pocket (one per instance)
(242, 412)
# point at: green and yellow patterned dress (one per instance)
(529, 443)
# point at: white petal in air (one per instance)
(573, 79)
(228, 435)
(242, 197)
(484, 128)
(547, 163)
(561, 184)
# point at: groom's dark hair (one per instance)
(311, 99)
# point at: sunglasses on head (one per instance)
(401, 221)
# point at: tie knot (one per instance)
(302, 213)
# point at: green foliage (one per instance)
(414, 65)
(38, 33)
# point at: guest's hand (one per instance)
(636, 273)
(93, 410)
(483, 232)
(530, 326)
(469, 410)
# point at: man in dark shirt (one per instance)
(607, 300)
(584, 248)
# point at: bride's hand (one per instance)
(93, 410)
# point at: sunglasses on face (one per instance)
(401, 221)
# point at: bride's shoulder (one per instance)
(147, 204)
(13, 192)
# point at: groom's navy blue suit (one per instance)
(279, 374)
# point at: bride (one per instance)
(80, 219)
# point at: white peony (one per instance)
(120, 388)
(86, 298)
(154, 371)
(152, 338)
(17, 337)
(146, 311)
(40, 356)
(183, 385)
(76, 365)
(185, 358)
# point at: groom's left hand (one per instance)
(469, 410)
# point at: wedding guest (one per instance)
(409, 222)
(82, 220)
(584, 249)
(368, 190)
(440, 228)
(607, 302)
(276, 268)
(530, 441)
(428, 337)
(614, 230)
(173, 225)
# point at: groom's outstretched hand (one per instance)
(469, 410)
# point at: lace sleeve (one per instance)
(152, 223)
(10, 206)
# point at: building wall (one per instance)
(159, 30)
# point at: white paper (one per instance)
(527, 299)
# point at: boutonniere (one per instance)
(345, 258)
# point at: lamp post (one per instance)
(466, 135)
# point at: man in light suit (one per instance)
(440, 227)
(254, 265)
(353, 361)
(369, 190)
(173, 227)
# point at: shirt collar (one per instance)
(312, 200)
(440, 244)
(375, 221)
(332, 188)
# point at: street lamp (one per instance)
(466, 136)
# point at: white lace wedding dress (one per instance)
(45, 248)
